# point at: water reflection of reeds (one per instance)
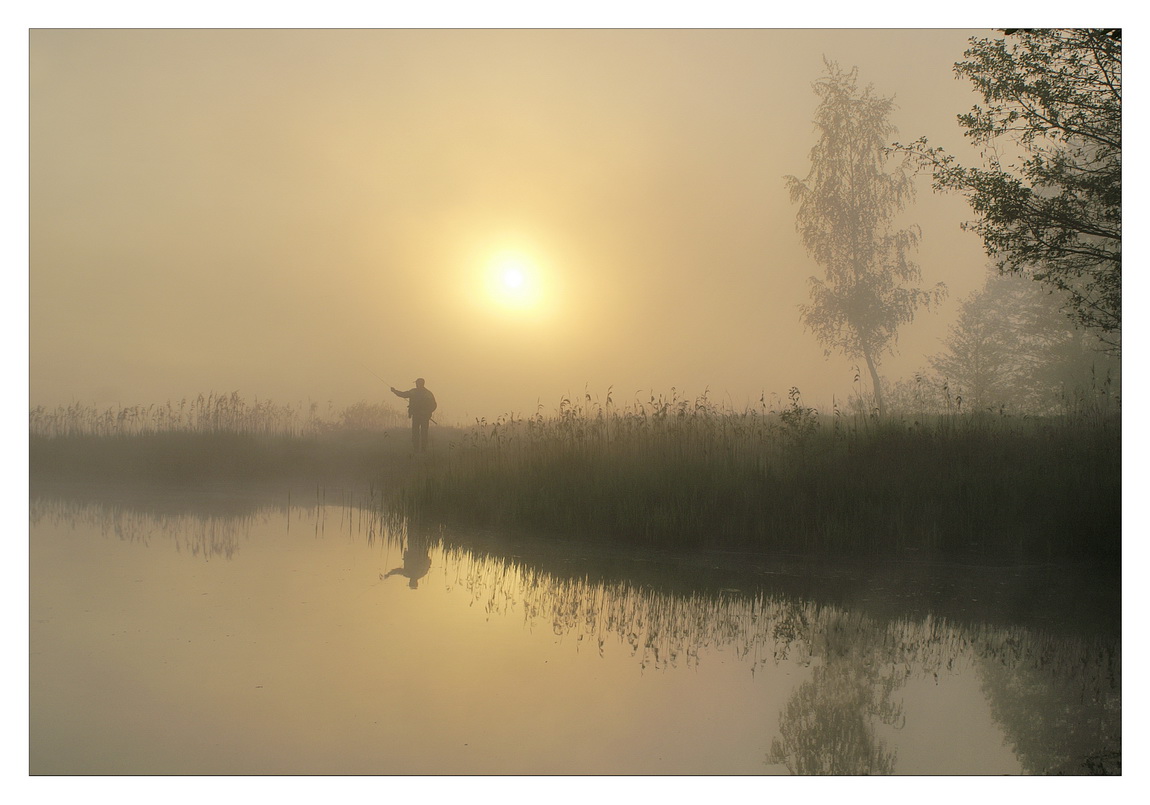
(661, 628)
(1057, 698)
(214, 526)
(200, 535)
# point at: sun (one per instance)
(514, 282)
(513, 278)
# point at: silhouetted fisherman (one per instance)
(420, 406)
(416, 563)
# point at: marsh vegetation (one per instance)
(661, 472)
(671, 472)
(217, 438)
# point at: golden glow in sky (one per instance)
(492, 210)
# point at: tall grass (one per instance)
(213, 413)
(676, 472)
(213, 438)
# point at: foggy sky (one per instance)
(284, 213)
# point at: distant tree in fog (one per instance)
(847, 205)
(1012, 347)
(1049, 194)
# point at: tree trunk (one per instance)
(875, 383)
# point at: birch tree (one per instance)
(847, 207)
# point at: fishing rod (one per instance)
(377, 377)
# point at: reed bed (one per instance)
(211, 413)
(214, 437)
(682, 473)
(664, 472)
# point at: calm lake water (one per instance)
(221, 636)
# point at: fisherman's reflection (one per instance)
(416, 563)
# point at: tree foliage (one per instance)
(847, 206)
(1011, 348)
(1049, 194)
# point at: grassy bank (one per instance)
(666, 473)
(679, 474)
(219, 438)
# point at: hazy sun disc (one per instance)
(514, 282)
(513, 278)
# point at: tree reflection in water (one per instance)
(828, 725)
(1057, 698)
(1061, 710)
